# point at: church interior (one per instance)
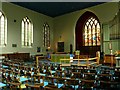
(59, 45)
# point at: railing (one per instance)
(65, 62)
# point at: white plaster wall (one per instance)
(0, 9)
(0, 5)
(64, 25)
(14, 12)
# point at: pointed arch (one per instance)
(3, 29)
(46, 35)
(27, 32)
(87, 34)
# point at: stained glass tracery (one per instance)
(46, 37)
(3, 30)
(27, 32)
(91, 34)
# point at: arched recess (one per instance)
(79, 31)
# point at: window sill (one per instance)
(27, 47)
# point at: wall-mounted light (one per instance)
(48, 47)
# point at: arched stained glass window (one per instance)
(3, 30)
(91, 34)
(46, 35)
(87, 33)
(27, 32)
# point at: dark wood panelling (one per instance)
(20, 56)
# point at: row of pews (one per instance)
(51, 76)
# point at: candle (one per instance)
(110, 45)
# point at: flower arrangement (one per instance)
(117, 53)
